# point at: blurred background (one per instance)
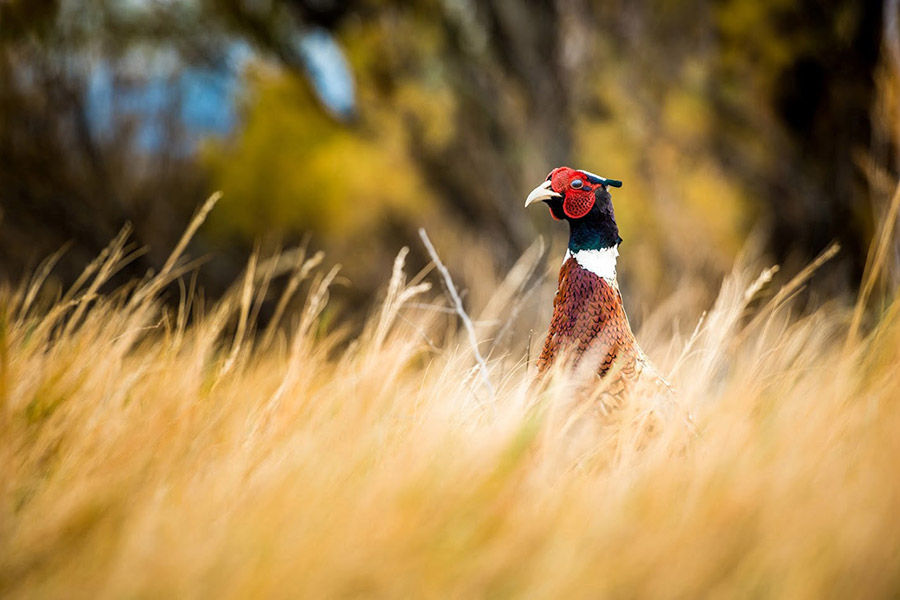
(355, 123)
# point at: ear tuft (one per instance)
(593, 178)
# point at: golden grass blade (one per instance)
(43, 271)
(874, 266)
(301, 270)
(165, 275)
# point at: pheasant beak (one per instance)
(542, 192)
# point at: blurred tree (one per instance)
(811, 67)
(716, 114)
(293, 169)
(63, 179)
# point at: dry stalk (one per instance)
(460, 311)
(166, 274)
(873, 268)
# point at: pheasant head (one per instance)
(582, 199)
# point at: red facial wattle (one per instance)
(578, 201)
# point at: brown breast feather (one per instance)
(589, 324)
(589, 321)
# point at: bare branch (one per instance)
(460, 311)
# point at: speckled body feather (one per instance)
(589, 321)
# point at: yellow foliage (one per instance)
(720, 212)
(687, 116)
(293, 168)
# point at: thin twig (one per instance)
(460, 311)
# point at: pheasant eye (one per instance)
(576, 184)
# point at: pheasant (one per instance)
(589, 320)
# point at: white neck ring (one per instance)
(599, 262)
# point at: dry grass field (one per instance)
(153, 452)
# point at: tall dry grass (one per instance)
(149, 452)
